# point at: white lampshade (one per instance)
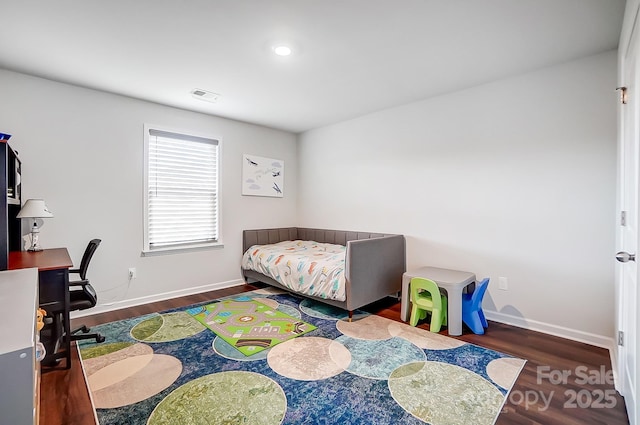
(34, 208)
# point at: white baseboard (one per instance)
(562, 332)
(613, 352)
(547, 328)
(103, 308)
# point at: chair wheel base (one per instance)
(87, 336)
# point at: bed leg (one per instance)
(350, 315)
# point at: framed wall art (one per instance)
(262, 176)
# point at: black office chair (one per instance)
(86, 297)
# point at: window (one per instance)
(181, 190)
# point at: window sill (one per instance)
(181, 249)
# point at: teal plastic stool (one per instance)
(425, 298)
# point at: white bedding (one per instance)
(306, 267)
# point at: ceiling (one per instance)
(350, 57)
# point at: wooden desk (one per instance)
(53, 282)
(48, 259)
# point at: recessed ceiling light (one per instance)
(282, 50)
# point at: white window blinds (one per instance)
(182, 190)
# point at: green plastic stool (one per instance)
(426, 297)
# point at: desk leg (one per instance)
(67, 319)
(405, 303)
(454, 312)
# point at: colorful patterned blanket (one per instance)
(305, 267)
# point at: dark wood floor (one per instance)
(584, 397)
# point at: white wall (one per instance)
(82, 151)
(514, 178)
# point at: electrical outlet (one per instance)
(503, 283)
(132, 273)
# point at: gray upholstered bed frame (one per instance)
(374, 262)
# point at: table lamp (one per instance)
(34, 208)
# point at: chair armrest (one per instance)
(74, 270)
(79, 283)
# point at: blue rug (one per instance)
(167, 368)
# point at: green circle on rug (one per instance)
(234, 397)
(102, 349)
(167, 327)
(445, 394)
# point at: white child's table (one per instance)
(452, 281)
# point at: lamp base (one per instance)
(35, 243)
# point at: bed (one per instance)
(373, 262)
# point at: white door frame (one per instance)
(628, 238)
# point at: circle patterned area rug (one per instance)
(167, 368)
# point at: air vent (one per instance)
(205, 95)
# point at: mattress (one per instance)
(306, 267)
